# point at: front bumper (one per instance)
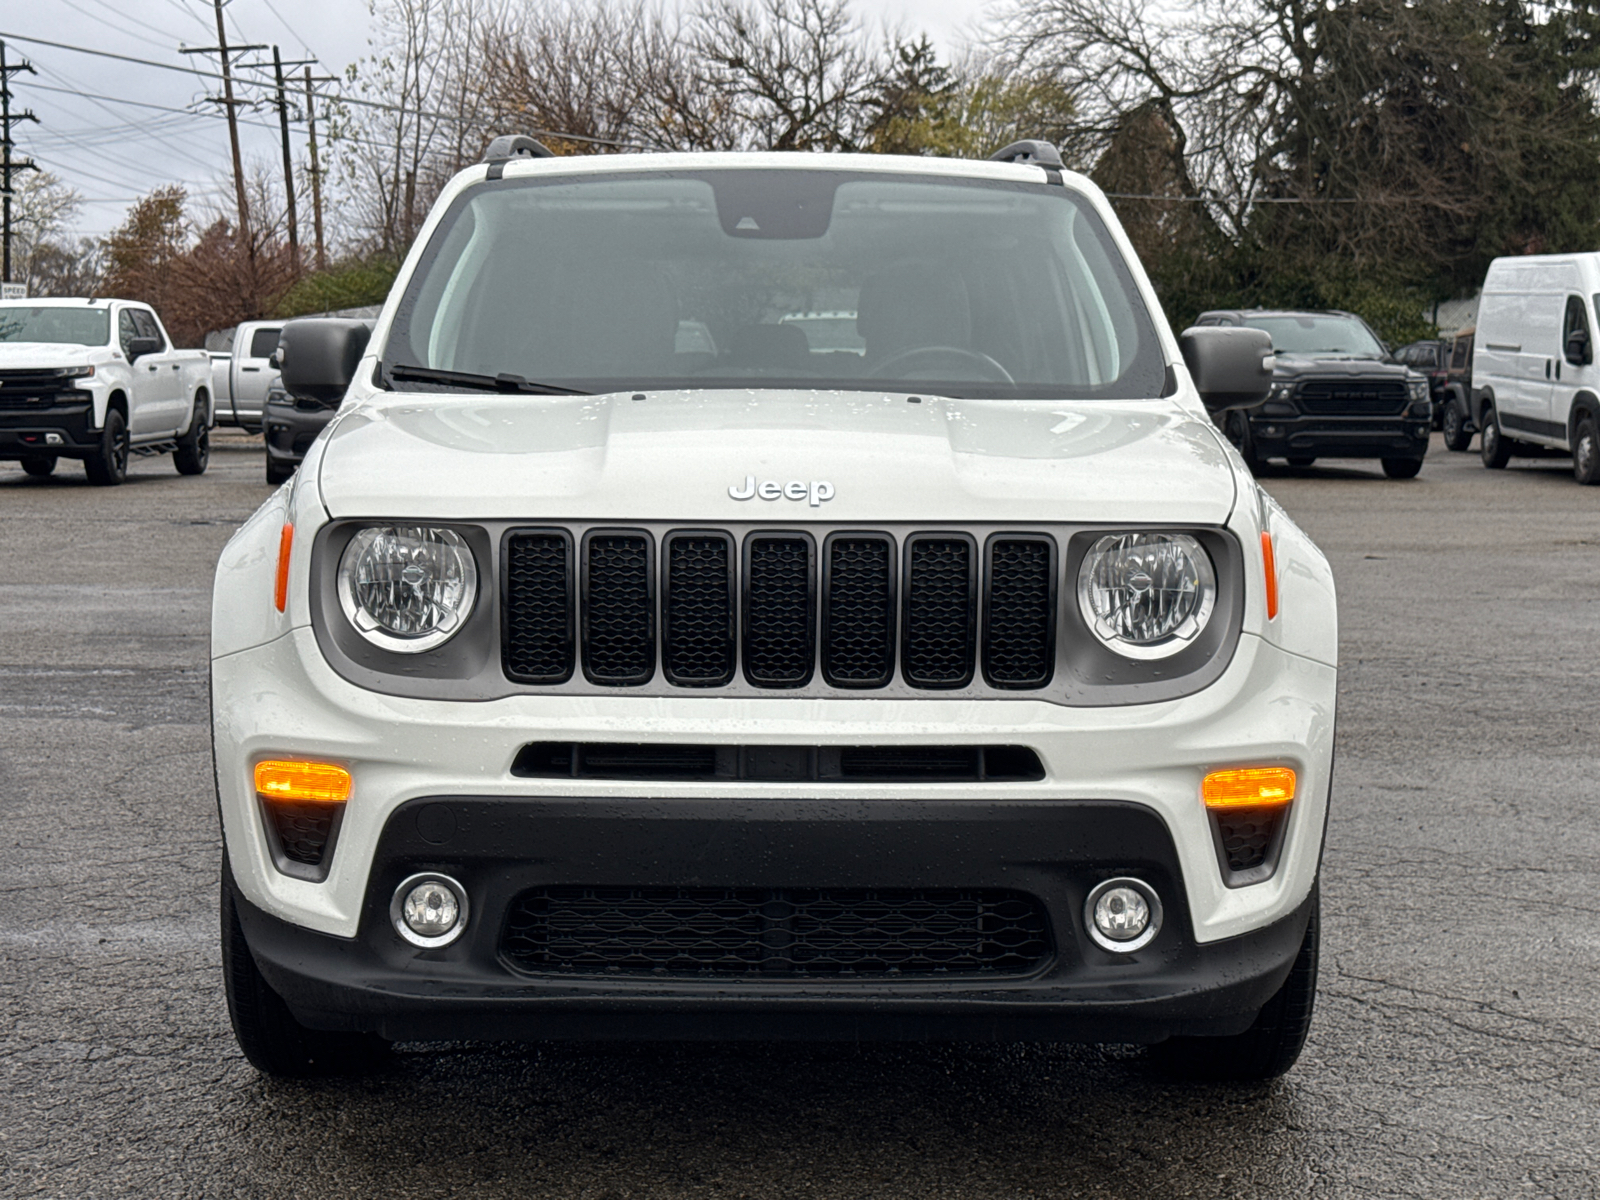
(498, 848)
(289, 431)
(1340, 437)
(63, 429)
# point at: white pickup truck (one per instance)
(240, 380)
(98, 380)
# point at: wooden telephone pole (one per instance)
(223, 53)
(7, 163)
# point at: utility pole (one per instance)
(316, 170)
(7, 163)
(230, 104)
(288, 161)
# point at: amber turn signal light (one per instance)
(322, 783)
(1248, 787)
(280, 590)
(1269, 560)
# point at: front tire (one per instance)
(1402, 468)
(194, 447)
(1586, 452)
(1236, 427)
(1273, 1043)
(39, 467)
(1492, 445)
(108, 465)
(1454, 426)
(272, 1040)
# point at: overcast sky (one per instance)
(95, 137)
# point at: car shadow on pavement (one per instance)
(604, 1120)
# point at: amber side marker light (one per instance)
(322, 783)
(280, 590)
(1248, 787)
(1269, 560)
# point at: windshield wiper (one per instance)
(503, 382)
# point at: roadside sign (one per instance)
(13, 291)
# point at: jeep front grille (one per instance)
(773, 606)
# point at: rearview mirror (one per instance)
(318, 357)
(1578, 352)
(138, 347)
(1231, 367)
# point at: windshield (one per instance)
(779, 278)
(54, 323)
(1343, 336)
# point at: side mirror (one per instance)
(1579, 353)
(1231, 367)
(138, 347)
(318, 357)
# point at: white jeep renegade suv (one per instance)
(623, 663)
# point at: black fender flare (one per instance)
(1482, 398)
(1583, 402)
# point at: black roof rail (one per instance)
(1033, 151)
(513, 145)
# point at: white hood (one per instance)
(674, 456)
(45, 355)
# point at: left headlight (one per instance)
(407, 588)
(1147, 595)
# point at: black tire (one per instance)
(1272, 1044)
(277, 474)
(1586, 451)
(1492, 444)
(1402, 468)
(272, 1040)
(1454, 426)
(194, 447)
(1301, 460)
(39, 467)
(108, 465)
(1236, 428)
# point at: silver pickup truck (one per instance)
(98, 380)
(241, 379)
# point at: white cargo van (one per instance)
(1534, 379)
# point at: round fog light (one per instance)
(1123, 915)
(429, 910)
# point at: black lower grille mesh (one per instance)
(1020, 613)
(619, 609)
(763, 933)
(303, 830)
(1247, 835)
(697, 610)
(538, 644)
(779, 616)
(858, 630)
(941, 591)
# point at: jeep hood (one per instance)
(675, 456)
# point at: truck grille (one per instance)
(775, 608)
(1352, 397)
(775, 933)
(25, 388)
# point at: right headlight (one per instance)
(1147, 595)
(407, 588)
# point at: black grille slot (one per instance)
(1019, 617)
(769, 933)
(940, 603)
(858, 610)
(697, 610)
(880, 764)
(303, 830)
(538, 607)
(619, 645)
(1357, 397)
(1248, 835)
(24, 388)
(779, 609)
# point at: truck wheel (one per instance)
(1270, 1046)
(1492, 445)
(272, 1040)
(41, 466)
(1402, 468)
(1586, 452)
(1454, 427)
(194, 447)
(1236, 427)
(108, 465)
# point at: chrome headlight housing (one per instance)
(1146, 595)
(407, 588)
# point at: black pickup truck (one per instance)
(1336, 393)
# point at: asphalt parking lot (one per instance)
(1456, 1051)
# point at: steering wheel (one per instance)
(992, 371)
